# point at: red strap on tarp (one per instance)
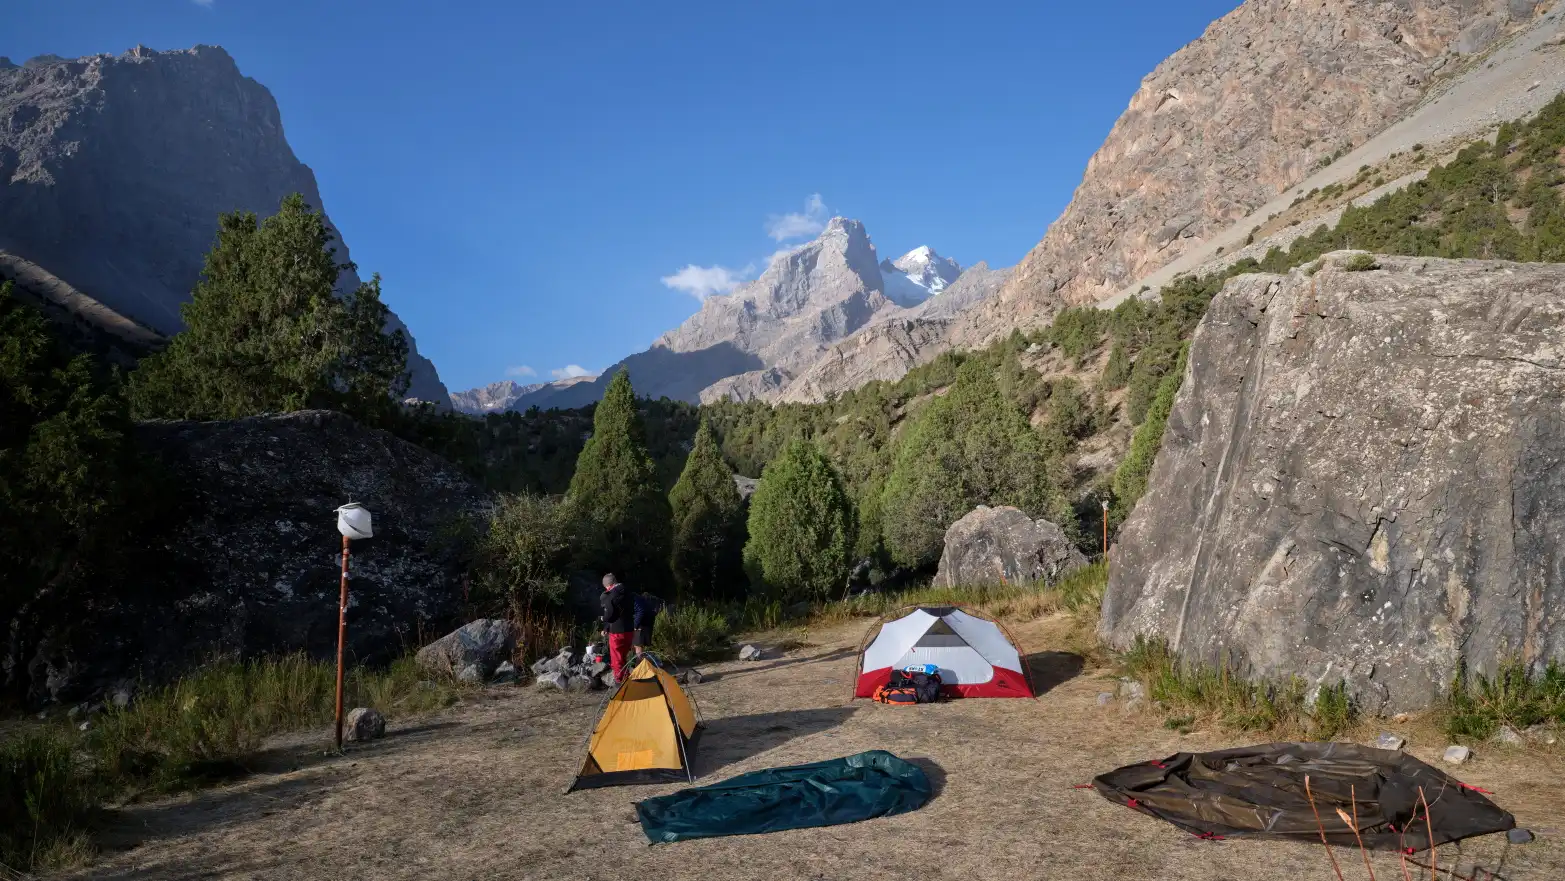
(1134, 804)
(1475, 788)
(1210, 836)
(1158, 765)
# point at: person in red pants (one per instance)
(619, 624)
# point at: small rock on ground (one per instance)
(470, 674)
(1518, 836)
(1457, 755)
(751, 653)
(578, 684)
(1544, 734)
(1389, 741)
(1508, 736)
(691, 677)
(1105, 698)
(552, 679)
(364, 724)
(505, 674)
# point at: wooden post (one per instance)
(342, 633)
(1105, 530)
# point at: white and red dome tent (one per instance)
(975, 655)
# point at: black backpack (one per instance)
(926, 686)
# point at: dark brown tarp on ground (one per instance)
(1258, 791)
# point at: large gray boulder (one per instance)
(1362, 479)
(244, 557)
(114, 169)
(480, 646)
(993, 545)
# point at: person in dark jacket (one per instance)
(647, 609)
(619, 623)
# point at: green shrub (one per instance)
(1116, 373)
(1360, 263)
(46, 802)
(801, 526)
(689, 633)
(1078, 330)
(1130, 478)
(521, 555)
(1225, 695)
(1479, 705)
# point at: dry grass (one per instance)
(475, 792)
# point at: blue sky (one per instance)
(526, 175)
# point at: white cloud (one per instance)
(570, 371)
(799, 226)
(520, 370)
(704, 281)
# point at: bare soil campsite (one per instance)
(476, 791)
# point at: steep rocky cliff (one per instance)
(115, 169)
(1362, 479)
(249, 562)
(1270, 92)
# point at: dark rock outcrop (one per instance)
(114, 170)
(249, 562)
(1362, 480)
(1004, 545)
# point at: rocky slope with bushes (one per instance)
(247, 555)
(1360, 480)
(1270, 93)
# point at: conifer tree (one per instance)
(970, 447)
(801, 526)
(708, 523)
(266, 332)
(621, 515)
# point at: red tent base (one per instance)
(1006, 683)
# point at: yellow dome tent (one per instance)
(644, 735)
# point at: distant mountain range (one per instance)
(754, 342)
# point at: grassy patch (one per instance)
(1220, 694)
(204, 728)
(46, 801)
(1479, 705)
(692, 632)
(1360, 263)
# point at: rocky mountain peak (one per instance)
(918, 275)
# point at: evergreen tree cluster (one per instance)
(265, 331)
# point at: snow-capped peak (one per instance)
(918, 275)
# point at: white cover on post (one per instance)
(353, 521)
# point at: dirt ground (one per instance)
(477, 793)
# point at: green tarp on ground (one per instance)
(1258, 791)
(846, 790)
